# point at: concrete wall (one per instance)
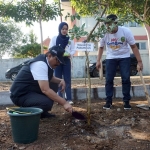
(78, 65)
(138, 30)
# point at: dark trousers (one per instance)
(111, 67)
(33, 99)
(65, 72)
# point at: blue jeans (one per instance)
(111, 67)
(65, 72)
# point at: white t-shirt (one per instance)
(39, 70)
(70, 48)
(117, 44)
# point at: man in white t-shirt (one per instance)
(118, 42)
(35, 85)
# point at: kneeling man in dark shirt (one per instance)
(35, 85)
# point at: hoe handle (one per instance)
(145, 89)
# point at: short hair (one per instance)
(112, 17)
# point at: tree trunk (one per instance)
(60, 10)
(89, 79)
(40, 21)
(101, 69)
(41, 32)
(89, 91)
(147, 28)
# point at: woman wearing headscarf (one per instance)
(64, 71)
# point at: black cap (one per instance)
(58, 51)
(111, 18)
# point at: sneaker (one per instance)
(127, 106)
(107, 105)
(47, 115)
(71, 102)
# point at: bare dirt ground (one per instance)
(114, 129)
(96, 82)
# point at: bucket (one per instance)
(25, 124)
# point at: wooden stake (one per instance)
(145, 89)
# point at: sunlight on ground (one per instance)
(79, 109)
(3, 113)
(134, 102)
(140, 135)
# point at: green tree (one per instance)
(30, 11)
(91, 8)
(30, 48)
(139, 9)
(10, 36)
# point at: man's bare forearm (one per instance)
(44, 86)
(136, 53)
(52, 95)
(56, 80)
(100, 53)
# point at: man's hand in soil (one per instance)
(68, 107)
(62, 85)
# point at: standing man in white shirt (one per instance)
(35, 85)
(118, 42)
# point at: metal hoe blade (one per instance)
(143, 106)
